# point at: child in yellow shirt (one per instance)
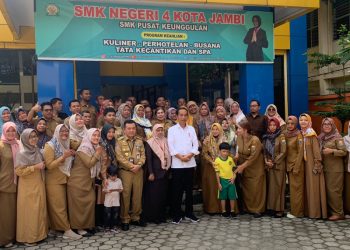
(225, 176)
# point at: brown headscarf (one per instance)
(331, 136)
(295, 131)
(28, 155)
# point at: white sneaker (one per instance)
(70, 235)
(290, 216)
(82, 232)
(114, 230)
(9, 245)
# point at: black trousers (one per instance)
(111, 216)
(182, 181)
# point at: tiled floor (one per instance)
(215, 232)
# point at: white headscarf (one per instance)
(59, 146)
(88, 148)
(76, 133)
(239, 116)
(142, 121)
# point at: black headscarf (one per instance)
(109, 145)
(42, 136)
(269, 139)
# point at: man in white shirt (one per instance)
(183, 146)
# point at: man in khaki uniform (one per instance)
(131, 156)
(85, 97)
(47, 112)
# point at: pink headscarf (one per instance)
(13, 143)
(159, 145)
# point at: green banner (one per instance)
(105, 31)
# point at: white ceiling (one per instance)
(21, 12)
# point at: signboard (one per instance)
(112, 31)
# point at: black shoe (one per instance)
(278, 215)
(125, 226)
(225, 214)
(257, 215)
(233, 214)
(192, 218)
(139, 223)
(92, 231)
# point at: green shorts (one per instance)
(228, 191)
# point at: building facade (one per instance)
(322, 32)
(283, 82)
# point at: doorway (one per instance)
(209, 81)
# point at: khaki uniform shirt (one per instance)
(92, 111)
(130, 151)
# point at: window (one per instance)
(341, 15)
(312, 29)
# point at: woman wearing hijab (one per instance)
(81, 183)
(227, 104)
(211, 203)
(157, 166)
(58, 160)
(333, 151)
(275, 148)
(192, 110)
(108, 143)
(347, 174)
(5, 116)
(123, 114)
(204, 121)
(251, 167)
(9, 146)
(32, 220)
(40, 128)
(172, 116)
(220, 114)
(271, 111)
(160, 118)
(230, 136)
(315, 189)
(77, 131)
(21, 121)
(236, 114)
(295, 167)
(143, 125)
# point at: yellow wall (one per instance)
(282, 37)
(131, 69)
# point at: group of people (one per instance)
(126, 163)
